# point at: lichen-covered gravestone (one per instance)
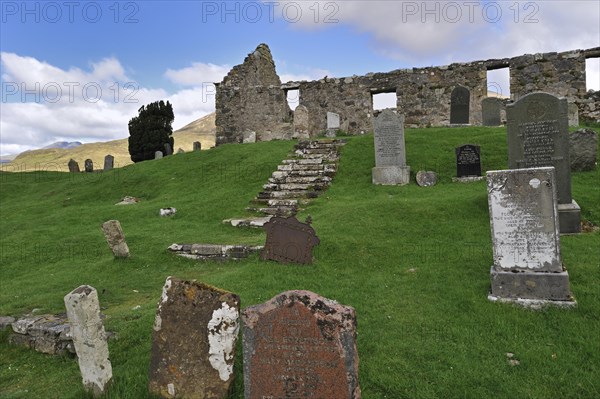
(89, 166)
(89, 339)
(390, 154)
(426, 178)
(115, 238)
(538, 136)
(193, 341)
(525, 236)
(333, 124)
(300, 345)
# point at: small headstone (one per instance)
(390, 156)
(115, 238)
(426, 178)
(197, 146)
(333, 124)
(289, 241)
(73, 166)
(193, 341)
(109, 162)
(89, 166)
(301, 122)
(180, 151)
(491, 108)
(127, 200)
(468, 160)
(573, 111)
(538, 136)
(459, 105)
(167, 211)
(583, 146)
(249, 137)
(168, 149)
(89, 339)
(300, 345)
(158, 155)
(525, 235)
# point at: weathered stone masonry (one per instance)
(252, 98)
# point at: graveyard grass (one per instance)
(413, 261)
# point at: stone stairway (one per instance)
(307, 173)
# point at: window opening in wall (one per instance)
(498, 83)
(293, 98)
(592, 74)
(382, 101)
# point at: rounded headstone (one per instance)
(426, 178)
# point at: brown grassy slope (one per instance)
(56, 159)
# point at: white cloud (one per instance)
(42, 103)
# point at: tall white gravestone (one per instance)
(89, 339)
(525, 235)
(390, 154)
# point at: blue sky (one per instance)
(79, 70)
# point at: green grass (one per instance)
(413, 261)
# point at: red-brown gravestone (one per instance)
(300, 345)
(289, 241)
(193, 342)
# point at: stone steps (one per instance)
(306, 174)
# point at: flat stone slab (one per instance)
(300, 345)
(214, 251)
(248, 222)
(193, 341)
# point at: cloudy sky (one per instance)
(79, 70)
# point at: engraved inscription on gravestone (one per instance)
(524, 219)
(390, 153)
(300, 345)
(468, 160)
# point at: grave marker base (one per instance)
(543, 286)
(569, 218)
(391, 175)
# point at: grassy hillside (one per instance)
(56, 159)
(413, 261)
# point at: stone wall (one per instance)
(250, 97)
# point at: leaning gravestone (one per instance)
(538, 136)
(109, 162)
(115, 238)
(197, 146)
(193, 341)
(158, 155)
(468, 160)
(73, 166)
(491, 108)
(168, 149)
(390, 157)
(525, 236)
(289, 241)
(333, 124)
(300, 345)
(583, 151)
(89, 166)
(460, 99)
(89, 339)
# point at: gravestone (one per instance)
(249, 137)
(583, 145)
(468, 160)
(73, 166)
(525, 236)
(115, 238)
(333, 124)
(89, 339)
(180, 151)
(289, 241)
(573, 112)
(158, 155)
(197, 146)
(301, 122)
(491, 108)
(89, 166)
(300, 345)
(390, 156)
(168, 149)
(538, 136)
(426, 178)
(193, 341)
(109, 162)
(459, 105)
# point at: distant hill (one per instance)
(63, 144)
(56, 159)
